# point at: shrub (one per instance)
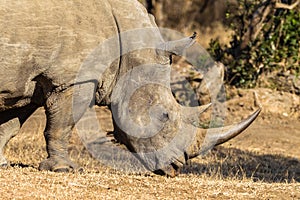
(266, 39)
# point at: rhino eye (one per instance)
(171, 60)
(164, 117)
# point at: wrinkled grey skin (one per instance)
(43, 45)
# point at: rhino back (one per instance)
(49, 39)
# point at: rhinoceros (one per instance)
(52, 57)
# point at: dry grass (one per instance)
(229, 172)
(221, 179)
(28, 183)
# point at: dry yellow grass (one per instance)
(28, 183)
(246, 168)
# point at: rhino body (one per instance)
(43, 47)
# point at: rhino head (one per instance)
(160, 132)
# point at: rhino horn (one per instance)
(216, 136)
(190, 115)
(177, 47)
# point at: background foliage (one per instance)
(272, 52)
(276, 47)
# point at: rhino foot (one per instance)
(59, 165)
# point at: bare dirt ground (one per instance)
(262, 163)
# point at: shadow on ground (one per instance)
(21, 165)
(230, 162)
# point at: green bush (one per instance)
(276, 47)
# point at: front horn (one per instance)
(217, 136)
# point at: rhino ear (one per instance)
(177, 47)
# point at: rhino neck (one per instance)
(130, 41)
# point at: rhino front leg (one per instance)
(57, 132)
(63, 110)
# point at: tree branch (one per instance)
(258, 18)
(256, 23)
(286, 6)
